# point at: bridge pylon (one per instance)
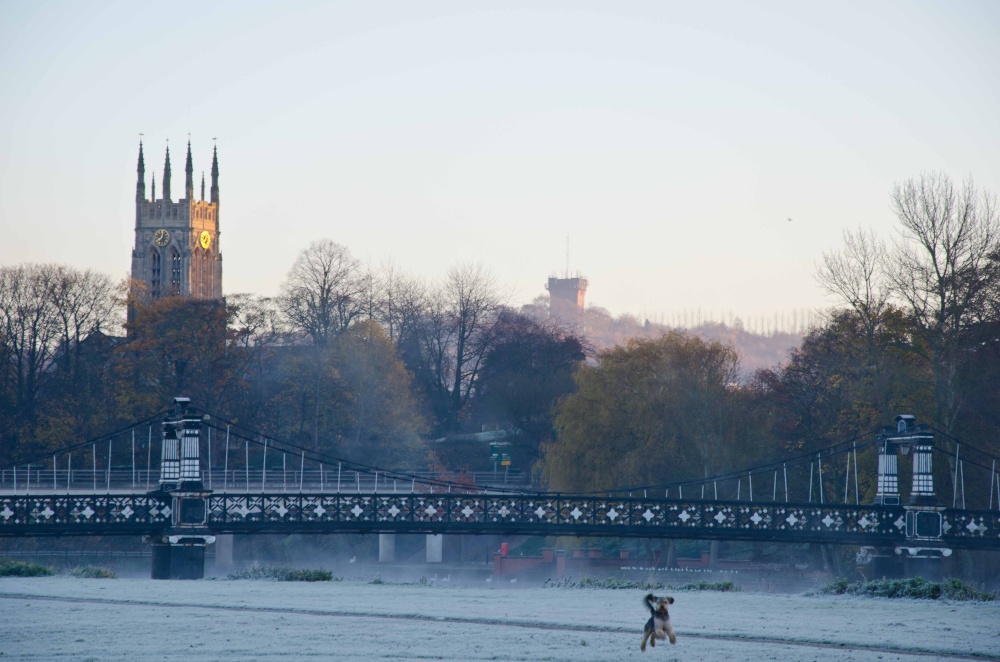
(922, 522)
(179, 552)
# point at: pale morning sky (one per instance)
(670, 141)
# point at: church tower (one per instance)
(176, 250)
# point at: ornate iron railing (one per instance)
(588, 516)
(91, 514)
(495, 514)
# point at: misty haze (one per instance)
(499, 332)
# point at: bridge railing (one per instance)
(39, 479)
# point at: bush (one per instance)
(278, 573)
(91, 572)
(612, 583)
(12, 568)
(917, 588)
(723, 587)
(609, 583)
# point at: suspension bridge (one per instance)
(183, 477)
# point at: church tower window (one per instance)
(175, 272)
(155, 282)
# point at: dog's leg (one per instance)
(645, 636)
(670, 633)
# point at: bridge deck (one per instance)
(536, 514)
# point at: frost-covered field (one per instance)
(138, 619)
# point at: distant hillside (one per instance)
(602, 330)
(757, 351)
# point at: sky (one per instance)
(666, 143)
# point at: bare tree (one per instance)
(256, 328)
(320, 298)
(455, 329)
(29, 327)
(857, 274)
(322, 293)
(402, 300)
(83, 302)
(945, 272)
(473, 304)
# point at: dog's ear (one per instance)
(670, 601)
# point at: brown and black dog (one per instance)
(658, 626)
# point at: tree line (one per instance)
(916, 330)
(376, 366)
(367, 364)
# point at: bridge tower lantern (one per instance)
(908, 438)
(924, 546)
(180, 552)
(180, 464)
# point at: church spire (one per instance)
(203, 186)
(166, 176)
(215, 175)
(140, 184)
(189, 175)
(153, 198)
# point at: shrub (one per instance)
(278, 573)
(723, 586)
(12, 568)
(91, 572)
(917, 588)
(609, 583)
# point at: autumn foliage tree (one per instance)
(380, 423)
(652, 412)
(179, 346)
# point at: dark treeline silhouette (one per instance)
(383, 368)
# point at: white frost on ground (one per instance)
(140, 619)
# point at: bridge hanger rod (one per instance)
(328, 461)
(735, 475)
(968, 446)
(955, 456)
(322, 458)
(799, 460)
(83, 444)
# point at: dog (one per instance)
(658, 626)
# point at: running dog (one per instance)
(658, 626)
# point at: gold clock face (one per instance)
(205, 239)
(161, 237)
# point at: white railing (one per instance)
(40, 480)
